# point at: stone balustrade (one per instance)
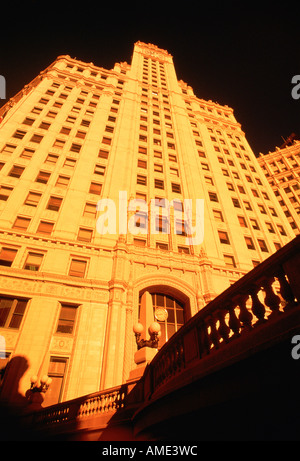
(259, 299)
(258, 310)
(99, 403)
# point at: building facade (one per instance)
(72, 272)
(282, 169)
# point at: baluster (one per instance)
(102, 403)
(234, 322)
(245, 315)
(271, 299)
(258, 308)
(204, 340)
(224, 330)
(285, 289)
(214, 335)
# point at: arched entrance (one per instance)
(171, 309)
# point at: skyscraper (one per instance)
(282, 169)
(79, 145)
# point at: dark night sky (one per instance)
(233, 53)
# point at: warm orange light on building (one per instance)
(78, 134)
(282, 169)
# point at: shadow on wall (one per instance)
(13, 403)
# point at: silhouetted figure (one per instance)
(12, 403)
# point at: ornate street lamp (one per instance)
(41, 385)
(147, 347)
(154, 332)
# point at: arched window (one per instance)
(169, 313)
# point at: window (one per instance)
(162, 246)
(36, 138)
(69, 163)
(180, 228)
(139, 242)
(270, 227)
(249, 243)
(32, 199)
(272, 211)
(85, 235)
(254, 223)
(158, 167)
(184, 250)
(70, 119)
(158, 183)
(142, 150)
(140, 196)
(75, 148)
(204, 166)
(16, 171)
(77, 268)
(5, 192)
(8, 149)
(7, 256)
(213, 197)
(62, 181)
(162, 224)
(99, 169)
(95, 188)
(176, 188)
(90, 210)
(66, 319)
(281, 230)
(33, 261)
(57, 371)
(43, 177)
(242, 221)
(28, 121)
(54, 203)
(45, 227)
(103, 154)
(141, 220)
(169, 313)
(142, 163)
(106, 140)
(11, 312)
(27, 153)
(19, 134)
(262, 209)
(236, 203)
(51, 159)
(59, 143)
(80, 134)
(229, 261)
(262, 245)
(255, 263)
(223, 236)
(142, 180)
(218, 215)
(21, 223)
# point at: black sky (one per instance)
(237, 53)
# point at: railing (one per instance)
(232, 324)
(255, 301)
(75, 410)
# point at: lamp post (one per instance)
(36, 394)
(147, 347)
(154, 332)
(41, 385)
